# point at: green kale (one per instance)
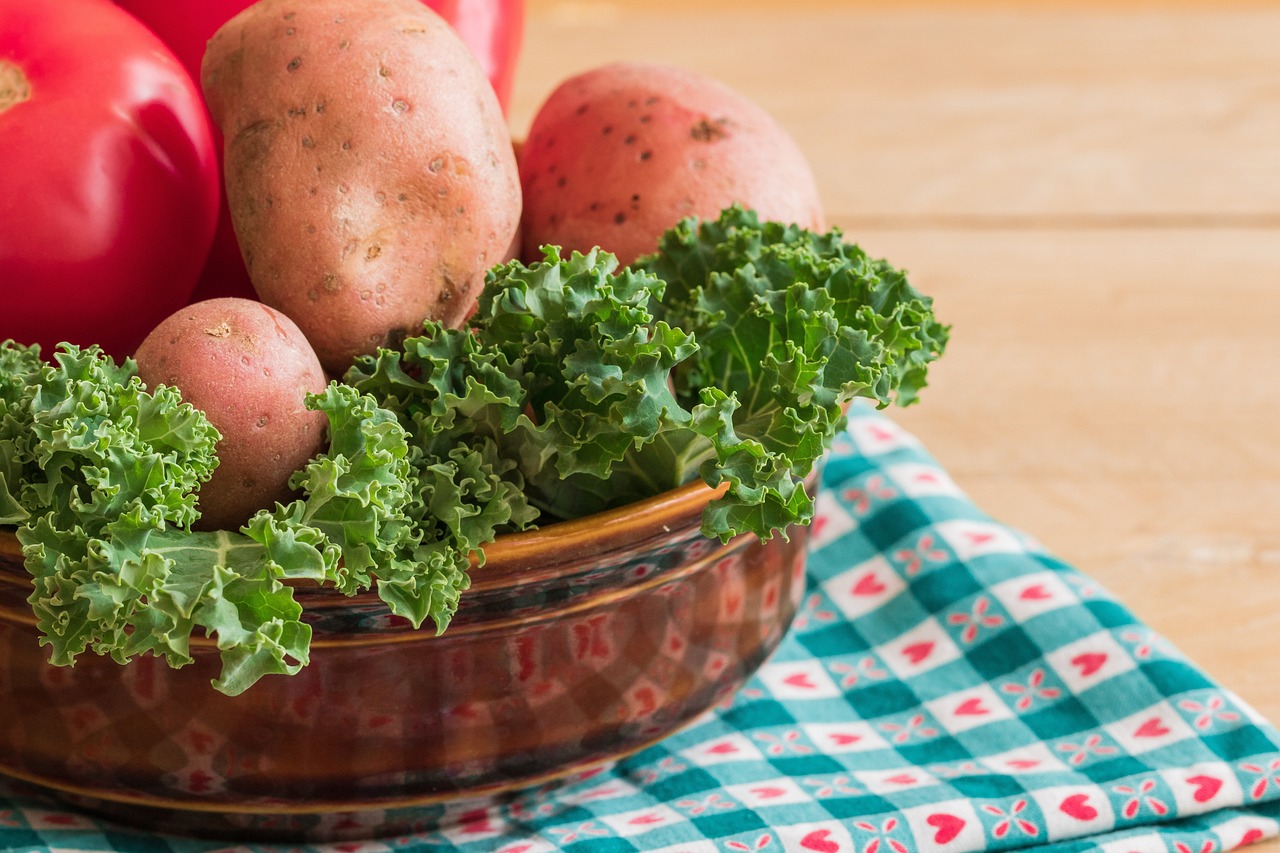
(730, 355)
(107, 476)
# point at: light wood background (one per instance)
(1092, 193)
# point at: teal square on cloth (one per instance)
(947, 686)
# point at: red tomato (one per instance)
(109, 176)
(493, 29)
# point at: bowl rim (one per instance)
(509, 560)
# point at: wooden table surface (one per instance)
(1091, 191)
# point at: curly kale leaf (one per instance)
(108, 476)
(725, 277)
(19, 370)
(791, 326)
(729, 355)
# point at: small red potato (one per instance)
(617, 155)
(248, 368)
(369, 168)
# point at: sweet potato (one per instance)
(248, 368)
(617, 155)
(369, 169)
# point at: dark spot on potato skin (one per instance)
(619, 218)
(707, 130)
(294, 64)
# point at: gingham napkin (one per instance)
(947, 686)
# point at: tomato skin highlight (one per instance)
(109, 176)
(493, 29)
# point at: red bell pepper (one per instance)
(110, 177)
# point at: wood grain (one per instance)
(1092, 192)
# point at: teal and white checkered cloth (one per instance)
(947, 686)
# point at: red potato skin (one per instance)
(369, 169)
(619, 154)
(248, 368)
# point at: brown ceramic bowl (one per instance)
(576, 645)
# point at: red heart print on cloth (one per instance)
(1206, 787)
(970, 539)
(969, 709)
(820, 841)
(948, 826)
(894, 781)
(1035, 592)
(1089, 663)
(844, 737)
(722, 750)
(773, 792)
(801, 680)
(1078, 807)
(868, 584)
(1152, 727)
(1071, 811)
(1028, 596)
(917, 653)
(922, 649)
(824, 837)
(864, 588)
